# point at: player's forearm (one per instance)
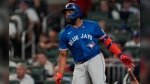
(62, 63)
(111, 46)
(115, 50)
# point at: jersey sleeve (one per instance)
(62, 41)
(99, 33)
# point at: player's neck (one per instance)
(78, 23)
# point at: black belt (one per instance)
(83, 61)
(79, 62)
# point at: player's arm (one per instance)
(62, 60)
(103, 37)
(61, 65)
(108, 42)
(63, 47)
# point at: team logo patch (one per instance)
(91, 45)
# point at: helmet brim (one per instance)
(64, 10)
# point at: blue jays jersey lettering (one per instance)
(82, 41)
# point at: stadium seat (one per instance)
(37, 72)
(68, 74)
(53, 52)
(70, 61)
(12, 70)
(14, 82)
(39, 82)
(114, 23)
(105, 51)
(133, 23)
(96, 16)
(19, 61)
(135, 51)
(54, 61)
(123, 37)
(24, 19)
(13, 21)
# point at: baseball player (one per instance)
(81, 38)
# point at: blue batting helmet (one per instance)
(74, 7)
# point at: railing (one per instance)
(117, 72)
(26, 45)
(125, 80)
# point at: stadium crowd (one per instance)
(43, 21)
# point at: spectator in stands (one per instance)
(136, 40)
(48, 41)
(15, 39)
(21, 75)
(43, 42)
(45, 45)
(48, 66)
(12, 5)
(136, 3)
(104, 7)
(85, 6)
(125, 29)
(41, 8)
(115, 5)
(12, 30)
(32, 59)
(53, 37)
(31, 13)
(128, 8)
(106, 10)
(103, 25)
(34, 21)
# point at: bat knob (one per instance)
(129, 69)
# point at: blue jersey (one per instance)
(82, 41)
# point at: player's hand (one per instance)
(58, 78)
(127, 61)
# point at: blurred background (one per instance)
(34, 27)
(4, 38)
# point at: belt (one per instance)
(84, 60)
(79, 62)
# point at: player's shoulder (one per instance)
(90, 21)
(64, 30)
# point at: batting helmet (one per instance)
(77, 10)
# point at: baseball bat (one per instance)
(129, 69)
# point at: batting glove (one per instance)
(127, 61)
(58, 78)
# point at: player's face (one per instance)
(68, 12)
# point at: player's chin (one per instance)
(68, 20)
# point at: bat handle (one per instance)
(129, 69)
(136, 81)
